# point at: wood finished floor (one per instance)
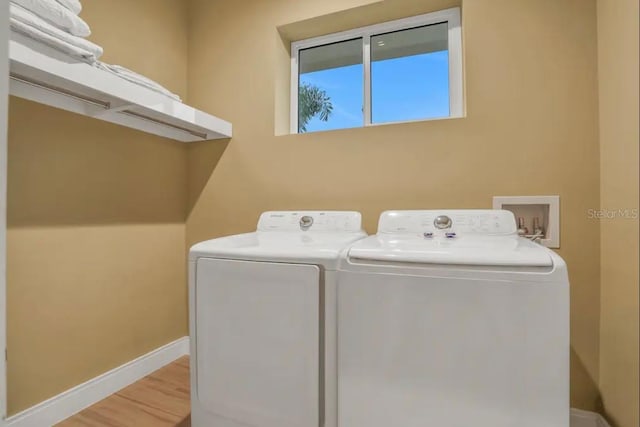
(158, 400)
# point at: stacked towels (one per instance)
(56, 23)
(136, 78)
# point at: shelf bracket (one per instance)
(114, 109)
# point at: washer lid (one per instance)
(465, 250)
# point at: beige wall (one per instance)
(96, 272)
(147, 36)
(618, 80)
(531, 128)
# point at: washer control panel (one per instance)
(450, 222)
(328, 221)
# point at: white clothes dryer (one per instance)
(448, 318)
(262, 322)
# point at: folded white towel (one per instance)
(90, 50)
(56, 14)
(73, 5)
(136, 78)
(54, 42)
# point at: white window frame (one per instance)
(451, 16)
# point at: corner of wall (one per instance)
(618, 137)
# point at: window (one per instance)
(409, 69)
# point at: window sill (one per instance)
(377, 125)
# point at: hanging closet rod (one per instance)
(97, 102)
(162, 122)
(102, 104)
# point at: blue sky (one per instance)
(407, 88)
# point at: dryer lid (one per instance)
(309, 237)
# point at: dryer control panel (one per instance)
(460, 222)
(326, 221)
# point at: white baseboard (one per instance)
(72, 401)
(580, 418)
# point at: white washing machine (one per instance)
(449, 319)
(262, 322)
